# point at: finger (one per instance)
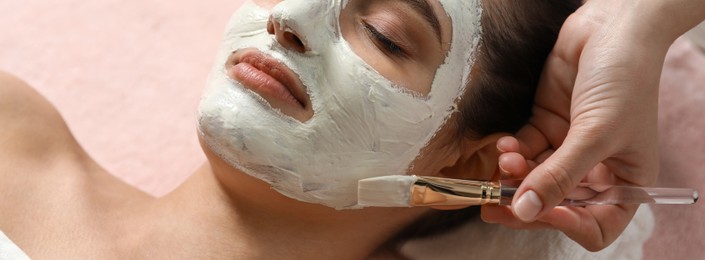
(543, 156)
(593, 227)
(513, 165)
(531, 141)
(532, 164)
(553, 121)
(549, 183)
(508, 144)
(550, 118)
(550, 121)
(551, 113)
(503, 215)
(601, 174)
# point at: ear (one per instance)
(477, 161)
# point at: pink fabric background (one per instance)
(127, 76)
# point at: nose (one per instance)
(286, 36)
(305, 26)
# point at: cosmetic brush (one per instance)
(410, 191)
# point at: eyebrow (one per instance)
(426, 11)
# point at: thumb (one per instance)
(550, 182)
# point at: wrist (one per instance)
(665, 21)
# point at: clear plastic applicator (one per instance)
(393, 191)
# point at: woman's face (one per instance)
(314, 95)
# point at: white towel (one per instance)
(479, 240)
(10, 251)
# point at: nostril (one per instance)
(295, 41)
(270, 27)
(289, 40)
(285, 36)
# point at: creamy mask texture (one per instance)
(363, 125)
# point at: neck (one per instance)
(221, 212)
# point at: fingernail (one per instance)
(488, 221)
(502, 170)
(528, 206)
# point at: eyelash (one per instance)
(383, 42)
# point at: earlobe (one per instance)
(477, 161)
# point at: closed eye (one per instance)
(383, 42)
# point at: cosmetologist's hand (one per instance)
(594, 118)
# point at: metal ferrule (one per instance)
(432, 191)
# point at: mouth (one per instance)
(272, 80)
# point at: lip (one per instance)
(272, 80)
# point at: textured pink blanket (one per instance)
(127, 77)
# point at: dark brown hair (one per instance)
(517, 37)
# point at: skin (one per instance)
(59, 203)
(595, 117)
(112, 221)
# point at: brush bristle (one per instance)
(385, 191)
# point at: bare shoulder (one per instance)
(30, 126)
(53, 193)
(34, 143)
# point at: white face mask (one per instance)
(363, 126)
